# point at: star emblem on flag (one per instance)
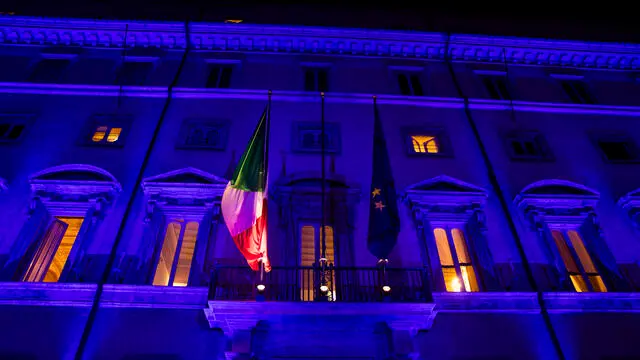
(379, 205)
(375, 192)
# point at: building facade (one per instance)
(516, 161)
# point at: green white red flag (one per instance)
(244, 202)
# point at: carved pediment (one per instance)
(445, 191)
(557, 194)
(79, 182)
(188, 184)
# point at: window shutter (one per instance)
(45, 250)
(28, 239)
(152, 236)
(431, 257)
(602, 256)
(552, 253)
(477, 241)
(198, 275)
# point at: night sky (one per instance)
(582, 21)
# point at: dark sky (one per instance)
(535, 19)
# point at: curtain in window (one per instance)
(478, 246)
(45, 251)
(602, 256)
(26, 243)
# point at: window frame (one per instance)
(26, 120)
(184, 222)
(445, 149)
(189, 124)
(535, 137)
(152, 60)
(570, 81)
(448, 227)
(316, 68)
(211, 65)
(332, 130)
(72, 58)
(111, 121)
(603, 136)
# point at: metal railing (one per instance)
(346, 284)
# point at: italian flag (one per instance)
(244, 202)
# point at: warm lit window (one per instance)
(455, 261)
(583, 274)
(496, 87)
(176, 254)
(315, 79)
(410, 84)
(310, 245)
(425, 144)
(219, 76)
(106, 134)
(53, 251)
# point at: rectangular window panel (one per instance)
(308, 137)
(316, 79)
(496, 87)
(452, 282)
(46, 251)
(167, 254)
(219, 76)
(617, 150)
(49, 70)
(442, 243)
(425, 144)
(107, 130)
(577, 92)
(134, 73)
(307, 259)
(578, 262)
(565, 253)
(64, 249)
(185, 258)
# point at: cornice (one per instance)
(315, 40)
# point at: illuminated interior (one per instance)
(310, 237)
(449, 271)
(99, 134)
(114, 135)
(165, 273)
(53, 252)
(578, 262)
(425, 144)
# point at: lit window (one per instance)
(53, 252)
(410, 84)
(425, 144)
(310, 245)
(219, 76)
(107, 130)
(315, 79)
(114, 134)
(99, 134)
(583, 274)
(176, 254)
(455, 262)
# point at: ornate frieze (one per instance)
(631, 204)
(310, 40)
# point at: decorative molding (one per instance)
(592, 302)
(148, 296)
(314, 40)
(47, 294)
(630, 203)
(186, 193)
(74, 188)
(486, 302)
(232, 316)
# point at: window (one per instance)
(203, 134)
(308, 137)
(455, 261)
(409, 84)
(10, 132)
(219, 76)
(49, 70)
(583, 274)
(315, 79)
(107, 130)
(525, 145)
(576, 91)
(134, 73)
(310, 245)
(425, 144)
(496, 87)
(53, 251)
(176, 254)
(617, 150)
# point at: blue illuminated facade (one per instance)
(516, 162)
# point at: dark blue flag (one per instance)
(384, 223)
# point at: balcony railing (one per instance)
(315, 284)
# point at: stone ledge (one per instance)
(591, 302)
(148, 296)
(47, 294)
(486, 302)
(231, 316)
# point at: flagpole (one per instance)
(323, 258)
(266, 171)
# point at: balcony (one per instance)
(312, 284)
